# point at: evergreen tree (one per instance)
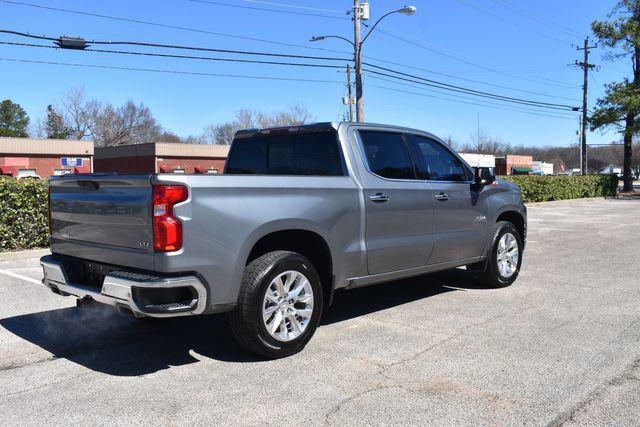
(55, 126)
(14, 121)
(620, 106)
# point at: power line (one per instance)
(468, 93)
(166, 55)
(431, 82)
(559, 27)
(439, 73)
(294, 6)
(399, 36)
(540, 110)
(156, 70)
(162, 25)
(196, 30)
(455, 88)
(180, 47)
(510, 22)
(264, 9)
(194, 73)
(33, 36)
(472, 103)
(599, 86)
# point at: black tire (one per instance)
(491, 275)
(246, 319)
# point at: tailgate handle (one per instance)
(88, 185)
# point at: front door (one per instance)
(460, 220)
(399, 207)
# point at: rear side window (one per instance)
(434, 161)
(387, 154)
(287, 154)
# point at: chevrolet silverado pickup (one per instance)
(299, 212)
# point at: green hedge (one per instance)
(24, 219)
(546, 188)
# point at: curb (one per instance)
(565, 201)
(18, 255)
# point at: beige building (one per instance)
(30, 157)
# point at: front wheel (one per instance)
(279, 305)
(505, 257)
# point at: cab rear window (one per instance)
(304, 153)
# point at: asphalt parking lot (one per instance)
(560, 346)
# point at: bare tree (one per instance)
(483, 143)
(220, 134)
(128, 124)
(194, 139)
(79, 113)
(296, 114)
(223, 133)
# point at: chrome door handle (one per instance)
(443, 197)
(379, 198)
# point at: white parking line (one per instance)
(551, 229)
(20, 276)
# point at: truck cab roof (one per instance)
(321, 127)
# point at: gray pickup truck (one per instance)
(300, 212)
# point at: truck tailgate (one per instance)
(104, 218)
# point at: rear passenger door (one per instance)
(460, 218)
(399, 206)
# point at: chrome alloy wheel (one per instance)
(287, 305)
(508, 253)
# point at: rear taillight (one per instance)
(167, 230)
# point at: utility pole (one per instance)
(357, 45)
(585, 88)
(349, 97)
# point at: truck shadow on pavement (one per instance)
(103, 340)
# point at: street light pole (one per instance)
(357, 48)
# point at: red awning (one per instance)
(9, 170)
(165, 169)
(200, 169)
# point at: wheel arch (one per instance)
(517, 219)
(305, 239)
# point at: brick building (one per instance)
(514, 165)
(25, 157)
(161, 157)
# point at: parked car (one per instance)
(300, 212)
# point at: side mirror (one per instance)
(484, 176)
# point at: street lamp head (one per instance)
(316, 38)
(407, 10)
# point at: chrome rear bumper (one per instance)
(119, 286)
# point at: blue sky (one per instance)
(483, 41)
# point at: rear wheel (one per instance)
(505, 257)
(279, 305)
